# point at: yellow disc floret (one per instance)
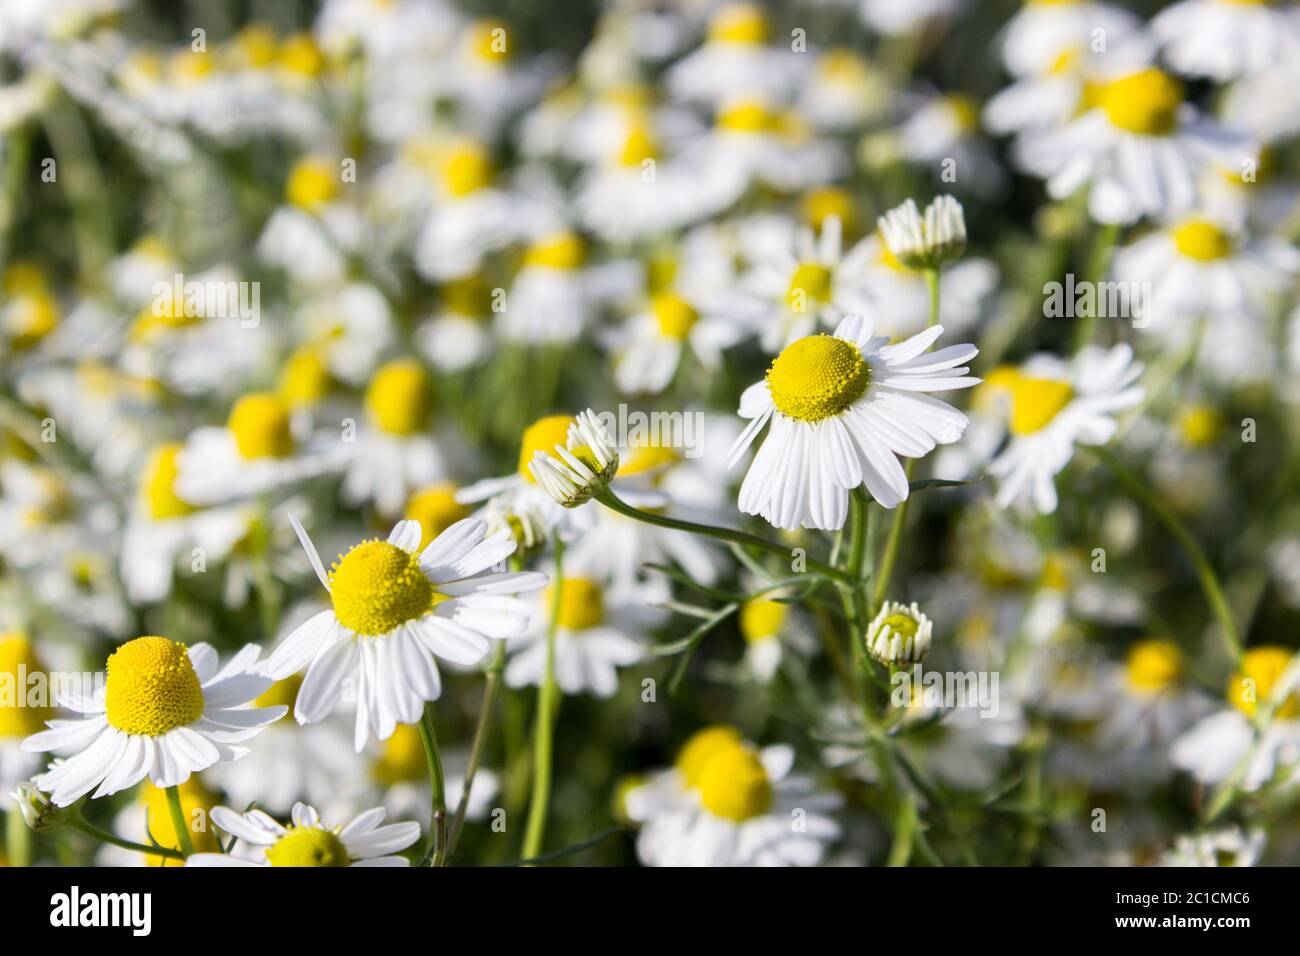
(760, 619)
(702, 747)
(1036, 402)
(466, 168)
(158, 489)
(1199, 425)
(304, 379)
(739, 23)
(561, 250)
(1261, 669)
(436, 508)
(817, 376)
(582, 604)
(1153, 665)
(809, 284)
(1145, 102)
(313, 183)
(260, 424)
(901, 623)
(152, 687)
(734, 785)
(308, 846)
(542, 435)
(1202, 240)
(377, 586)
(18, 662)
(638, 145)
(674, 315)
(399, 398)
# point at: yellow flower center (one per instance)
(19, 721)
(1199, 425)
(1153, 665)
(299, 54)
(748, 116)
(542, 435)
(638, 146)
(818, 205)
(674, 315)
(399, 398)
(254, 45)
(152, 687)
(194, 798)
(490, 41)
(312, 184)
(305, 379)
(377, 586)
(1202, 240)
(645, 458)
(1036, 401)
(436, 508)
(283, 693)
(702, 747)
(739, 23)
(965, 111)
(308, 846)
(260, 424)
(466, 168)
(903, 624)
(810, 283)
(402, 759)
(563, 250)
(1145, 102)
(733, 784)
(816, 377)
(582, 604)
(1261, 669)
(891, 261)
(843, 66)
(760, 619)
(158, 490)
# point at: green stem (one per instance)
(179, 823)
(476, 749)
(1098, 260)
(613, 502)
(18, 839)
(548, 702)
(1209, 581)
(95, 833)
(436, 852)
(851, 594)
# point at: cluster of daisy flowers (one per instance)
(710, 433)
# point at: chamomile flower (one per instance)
(165, 711)
(1225, 39)
(1138, 146)
(394, 453)
(472, 216)
(458, 335)
(897, 19)
(552, 297)
(309, 842)
(260, 449)
(900, 634)
(599, 629)
(925, 242)
(771, 629)
(841, 409)
(581, 467)
(311, 235)
(842, 91)
(727, 803)
(735, 55)
(18, 720)
(942, 134)
(394, 609)
(1040, 35)
(1053, 406)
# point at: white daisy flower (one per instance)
(1261, 105)
(727, 803)
(458, 334)
(771, 629)
(395, 609)
(1200, 267)
(599, 630)
(942, 133)
(900, 634)
(1141, 149)
(308, 841)
(165, 711)
(925, 242)
(312, 235)
(553, 296)
(842, 91)
(1053, 407)
(1225, 39)
(393, 455)
(841, 409)
(350, 327)
(1232, 739)
(1038, 37)
(580, 468)
(896, 19)
(734, 56)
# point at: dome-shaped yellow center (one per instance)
(748, 116)
(377, 586)
(299, 54)
(308, 846)
(304, 379)
(1035, 402)
(158, 488)
(582, 603)
(466, 168)
(1261, 669)
(399, 398)
(642, 459)
(151, 687)
(761, 619)
(561, 250)
(702, 747)
(1145, 102)
(312, 183)
(490, 40)
(638, 145)
(674, 315)
(901, 623)
(542, 435)
(402, 759)
(817, 376)
(739, 23)
(436, 508)
(810, 286)
(733, 784)
(1202, 240)
(194, 798)
(818, 205)
(1153, 665)
(260, 424)
(17, 663)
